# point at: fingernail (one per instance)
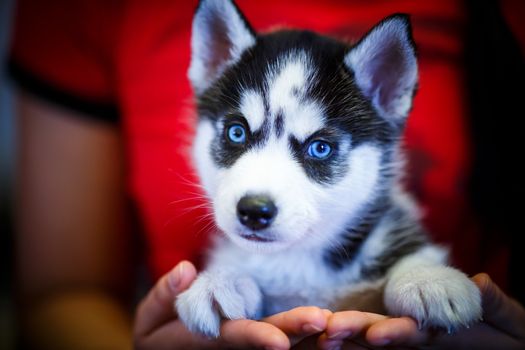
(175, 277)
(311, 328)
(181, 269)
(327, 312)
(340, 335)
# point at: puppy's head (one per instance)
(297, 133)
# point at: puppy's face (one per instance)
(297, 132)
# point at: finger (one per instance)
(357, 343)
(324, 343)
(235, 334)
(347, 324)
(171, 333)
(250, 334)
(499, 310)
(157, 307)
(300, 322)
(401, 330)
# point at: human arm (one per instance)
(72, 252)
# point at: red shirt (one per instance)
(133, 55)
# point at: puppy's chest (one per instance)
(288, 284)
(335, 295)
(295, 279)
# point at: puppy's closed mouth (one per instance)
(257, 237)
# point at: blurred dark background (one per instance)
(6, 180)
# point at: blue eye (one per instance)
(319, 149)
(236, 134)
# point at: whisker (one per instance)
(196, 198)
(207, 228)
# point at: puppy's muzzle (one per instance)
(256, 212)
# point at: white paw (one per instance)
(213, 296)
(436, 296)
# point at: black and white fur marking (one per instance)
(306, 131)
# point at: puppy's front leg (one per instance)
(422, 287)
(215, 295)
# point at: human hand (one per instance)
(503, 327)
(157, 327)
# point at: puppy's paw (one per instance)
(213, 296)
(436, 296)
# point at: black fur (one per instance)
(350, 120)
(278, 125)
(325, 171)
(352, 239)
(348, 112)
(406, 236)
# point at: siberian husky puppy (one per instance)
(298, 149)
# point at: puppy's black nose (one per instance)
(256, 211)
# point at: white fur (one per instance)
(288, 82)
(202, 158)
(291, 271)
(274, 172)
(252, 108)
(216, 294)
(376, 242)
(305, 120)
(291, 73)
(246, 278)
(435, 295)
(418, 286)
(289, 278)
(340, 204)
(309, 213)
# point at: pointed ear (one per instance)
(220, 34)
(385, 67)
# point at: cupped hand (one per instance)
(156, 325)
(503, 327)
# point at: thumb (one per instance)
(157, 307)
(499, 310)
